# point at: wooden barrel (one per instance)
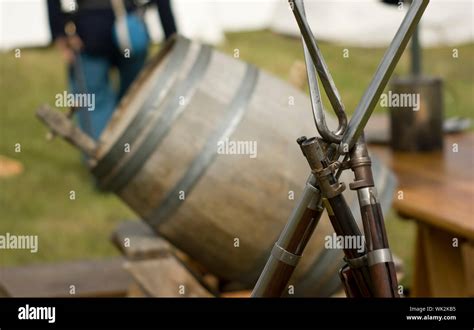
(178, 150)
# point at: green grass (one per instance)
(37, 202)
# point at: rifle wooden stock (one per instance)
(293, 239)
(344, 225)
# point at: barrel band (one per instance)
(233, 116)
(142, 117)
(367, 196)
(316, 201)
(379, 256)
(284, 256)
(164, 123)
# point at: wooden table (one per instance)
(437, 191)
(90, 278)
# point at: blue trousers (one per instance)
(90, 74)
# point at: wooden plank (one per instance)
(136, 291)
(3, 292)
(136, 240)
(421, 281)
(438, 187)
(165, 277)
(91, 278)
(443, 264)
(468, 261)
(237, 294)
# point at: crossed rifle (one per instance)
(367, 272)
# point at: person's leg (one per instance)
(128, 70)
(166, 17)
(90, 75)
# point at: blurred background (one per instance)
(35, 182)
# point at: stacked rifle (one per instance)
(367, 272)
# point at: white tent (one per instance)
(370, 23)
(366, 23)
